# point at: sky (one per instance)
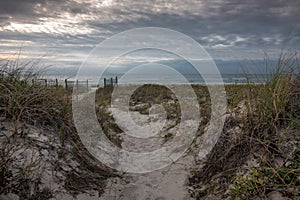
(63, 32)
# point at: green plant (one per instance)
(244, 187)
(264, 179)
(168, 136)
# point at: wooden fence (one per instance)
(46, 82)
(108, 83)
(79, 84)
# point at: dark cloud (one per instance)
(22, 10)
(224, 27)
(17, 7)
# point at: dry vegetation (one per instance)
(258, 154)
(37, 136)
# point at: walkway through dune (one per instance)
(169, 183)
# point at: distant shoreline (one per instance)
(192, 79)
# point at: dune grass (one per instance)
(273, 120)
(272, 106)
(24, 103)
(269, 124)
(266, 129)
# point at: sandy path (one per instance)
(169, 183)
(166, 184)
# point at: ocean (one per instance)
(161, 79)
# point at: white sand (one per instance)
(169, 183)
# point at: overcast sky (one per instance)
(65, 31)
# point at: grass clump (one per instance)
(272, 106)
(258, 151)
(24, 103)
(272, 121)
(105, 119)
(151, 94)
(21, 100)
(265, 179)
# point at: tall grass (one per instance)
(269, 105)
(273, 120)
(24, 102)
(21, 100)
(258, 151)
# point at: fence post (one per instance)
(46, 83)
(104, 82)
(111, 83)
(116, 80)
(77, 84)
(87, 85)
(56, 83)
(66, 84)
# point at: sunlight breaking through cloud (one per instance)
(221, 26)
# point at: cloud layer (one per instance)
(228, 29)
